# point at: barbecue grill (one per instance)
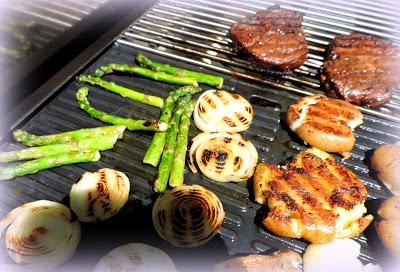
(194, 35)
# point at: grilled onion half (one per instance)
(220, 111)
(223, 157)
(98, 196)
(135, 257)
(40, 235)
(188, 215)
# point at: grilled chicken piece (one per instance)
(272, 38)
(279, 261)
(312, 197)
(325, 123)
(361, 69)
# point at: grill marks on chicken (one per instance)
(312, 197)
(361, 69)
(272, 38)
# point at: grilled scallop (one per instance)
(220, 111)
(325, 123)
(312, 197)
(223, 157)
(98, 196)
(188, 216)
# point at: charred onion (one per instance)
(188, 216)
(40, 235)
(223, 157)
(98, 196)
(220, 111)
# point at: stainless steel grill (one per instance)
(196, 32)
(51, 17)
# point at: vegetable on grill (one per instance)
(159, 76)
(223, 157)
(156, 147)
(214, 81)
(164, 168)
(98, 196)
(123, 91)
(221, 111)
(188, 215)
(66, 137)
(178, 163)
(96, 143)
(40, 235)
(34, 166)
(131, 124)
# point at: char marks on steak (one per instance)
(361, 69)
(272, 38)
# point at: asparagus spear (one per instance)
(156, 147)
(125, 92)
(34, 166)
(176, 177)
(164, 168)
(211, 80)
(97, 143)
(131, 124)
(159, 76)
(66, 137)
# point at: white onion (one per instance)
(98, 196)
(223, 157)
(135, 257)
(40, 235)
(220, 111)
(188, 215)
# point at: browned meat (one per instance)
(272, 38)
(312, 197)
(361, 69)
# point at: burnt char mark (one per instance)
(240, 117)
(290, 202)
(90, 208)
(210, 101)
(149, 123)
(229, 121)
(235, 96)
(221, 155)
(337, 199)
(206, 156)
(227, 140)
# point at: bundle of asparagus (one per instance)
(171, 146)
(50, 151)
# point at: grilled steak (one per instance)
(272, 38)
(325, 123)
(361, 69)
(312, 197)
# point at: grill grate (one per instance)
(51, 17)
(193, 34)
(200, 29)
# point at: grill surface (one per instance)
(193, 34)
(51, 18)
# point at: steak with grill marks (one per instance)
(272, 38)
(361, 69)
(312, 197)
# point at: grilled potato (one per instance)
(386, 162)
(279, 261)
(312, 197)
(325, 123)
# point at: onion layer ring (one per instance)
(223, 157)
(221, 111)
(40, 235)
(188, 215)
